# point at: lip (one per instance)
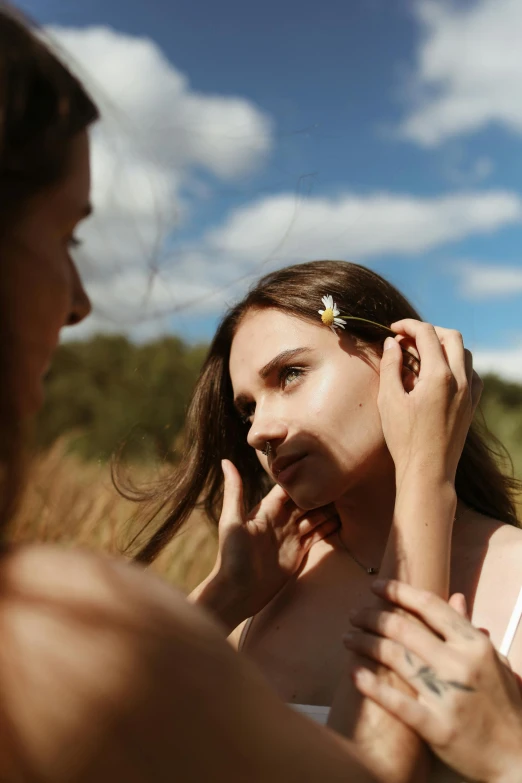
(283, 468)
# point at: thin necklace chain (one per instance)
(370, 570)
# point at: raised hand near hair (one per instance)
(426, 419)
(258, 552)
(469, 702)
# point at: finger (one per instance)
(312, 519)
(406, 708)
(476, 390)
(320, 533)
(434, 612)
(468, 364)
(404, 630)
(393, 655)
(232, 510)
(390, 382)
(432, 357)
(453, 347)
(458, 602)
(277, 506)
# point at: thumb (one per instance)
(391, 369)
(458, 602)
(232, 510)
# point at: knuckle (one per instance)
(447, 734)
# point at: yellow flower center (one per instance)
(328, 317)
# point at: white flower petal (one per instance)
(328, 302)
(320, 312)
(338, 322)
(336, 311)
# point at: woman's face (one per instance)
(41, 291)
(313, 396)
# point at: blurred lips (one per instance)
(284, 467)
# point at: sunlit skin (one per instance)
(321, 403)
(41, 291)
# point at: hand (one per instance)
(259, 552)
(469, 706)
(427, 425)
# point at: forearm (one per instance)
(418, 552)
(419, 546)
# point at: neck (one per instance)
(366, 514)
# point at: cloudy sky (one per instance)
(240, 137)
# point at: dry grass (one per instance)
(74, 503)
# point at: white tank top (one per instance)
(320, 713)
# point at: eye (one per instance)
(74, 242)
(289, 375)
(246, 413)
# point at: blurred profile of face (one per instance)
(313, 396)
(41, 291)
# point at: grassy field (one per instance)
(74, 503)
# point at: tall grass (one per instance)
(74, 503)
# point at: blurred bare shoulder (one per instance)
(89, 645)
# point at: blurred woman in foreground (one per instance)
(107, 673)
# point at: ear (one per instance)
(409, 373)
(409, 379)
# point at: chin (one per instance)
(308, 500)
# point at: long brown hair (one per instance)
(215, 431)
(42, 107)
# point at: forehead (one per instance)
(263, 334)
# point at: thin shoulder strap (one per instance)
(244, 633)
(512, 626)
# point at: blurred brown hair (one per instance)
(215, 431)
(42, 107)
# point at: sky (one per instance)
(237, 138)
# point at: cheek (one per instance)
(344, 409)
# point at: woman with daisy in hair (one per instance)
(319, 437)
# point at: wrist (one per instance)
(219, 597)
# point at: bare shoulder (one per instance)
(88, 645)
(487, 568)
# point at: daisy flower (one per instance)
(330, 313)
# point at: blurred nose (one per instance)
(266, 427)
(80, 302)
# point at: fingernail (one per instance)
(388, 343)
(379, 584)
(347, 637)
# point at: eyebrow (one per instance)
(281, 358)
(242, 400)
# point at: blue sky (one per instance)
(387, 132)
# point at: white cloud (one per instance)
(484, 281)
(358, 227)
(156, 138)
(468, 71)
(506, 362)
(279, 230)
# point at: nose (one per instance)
(80, 302)
(266, 427)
